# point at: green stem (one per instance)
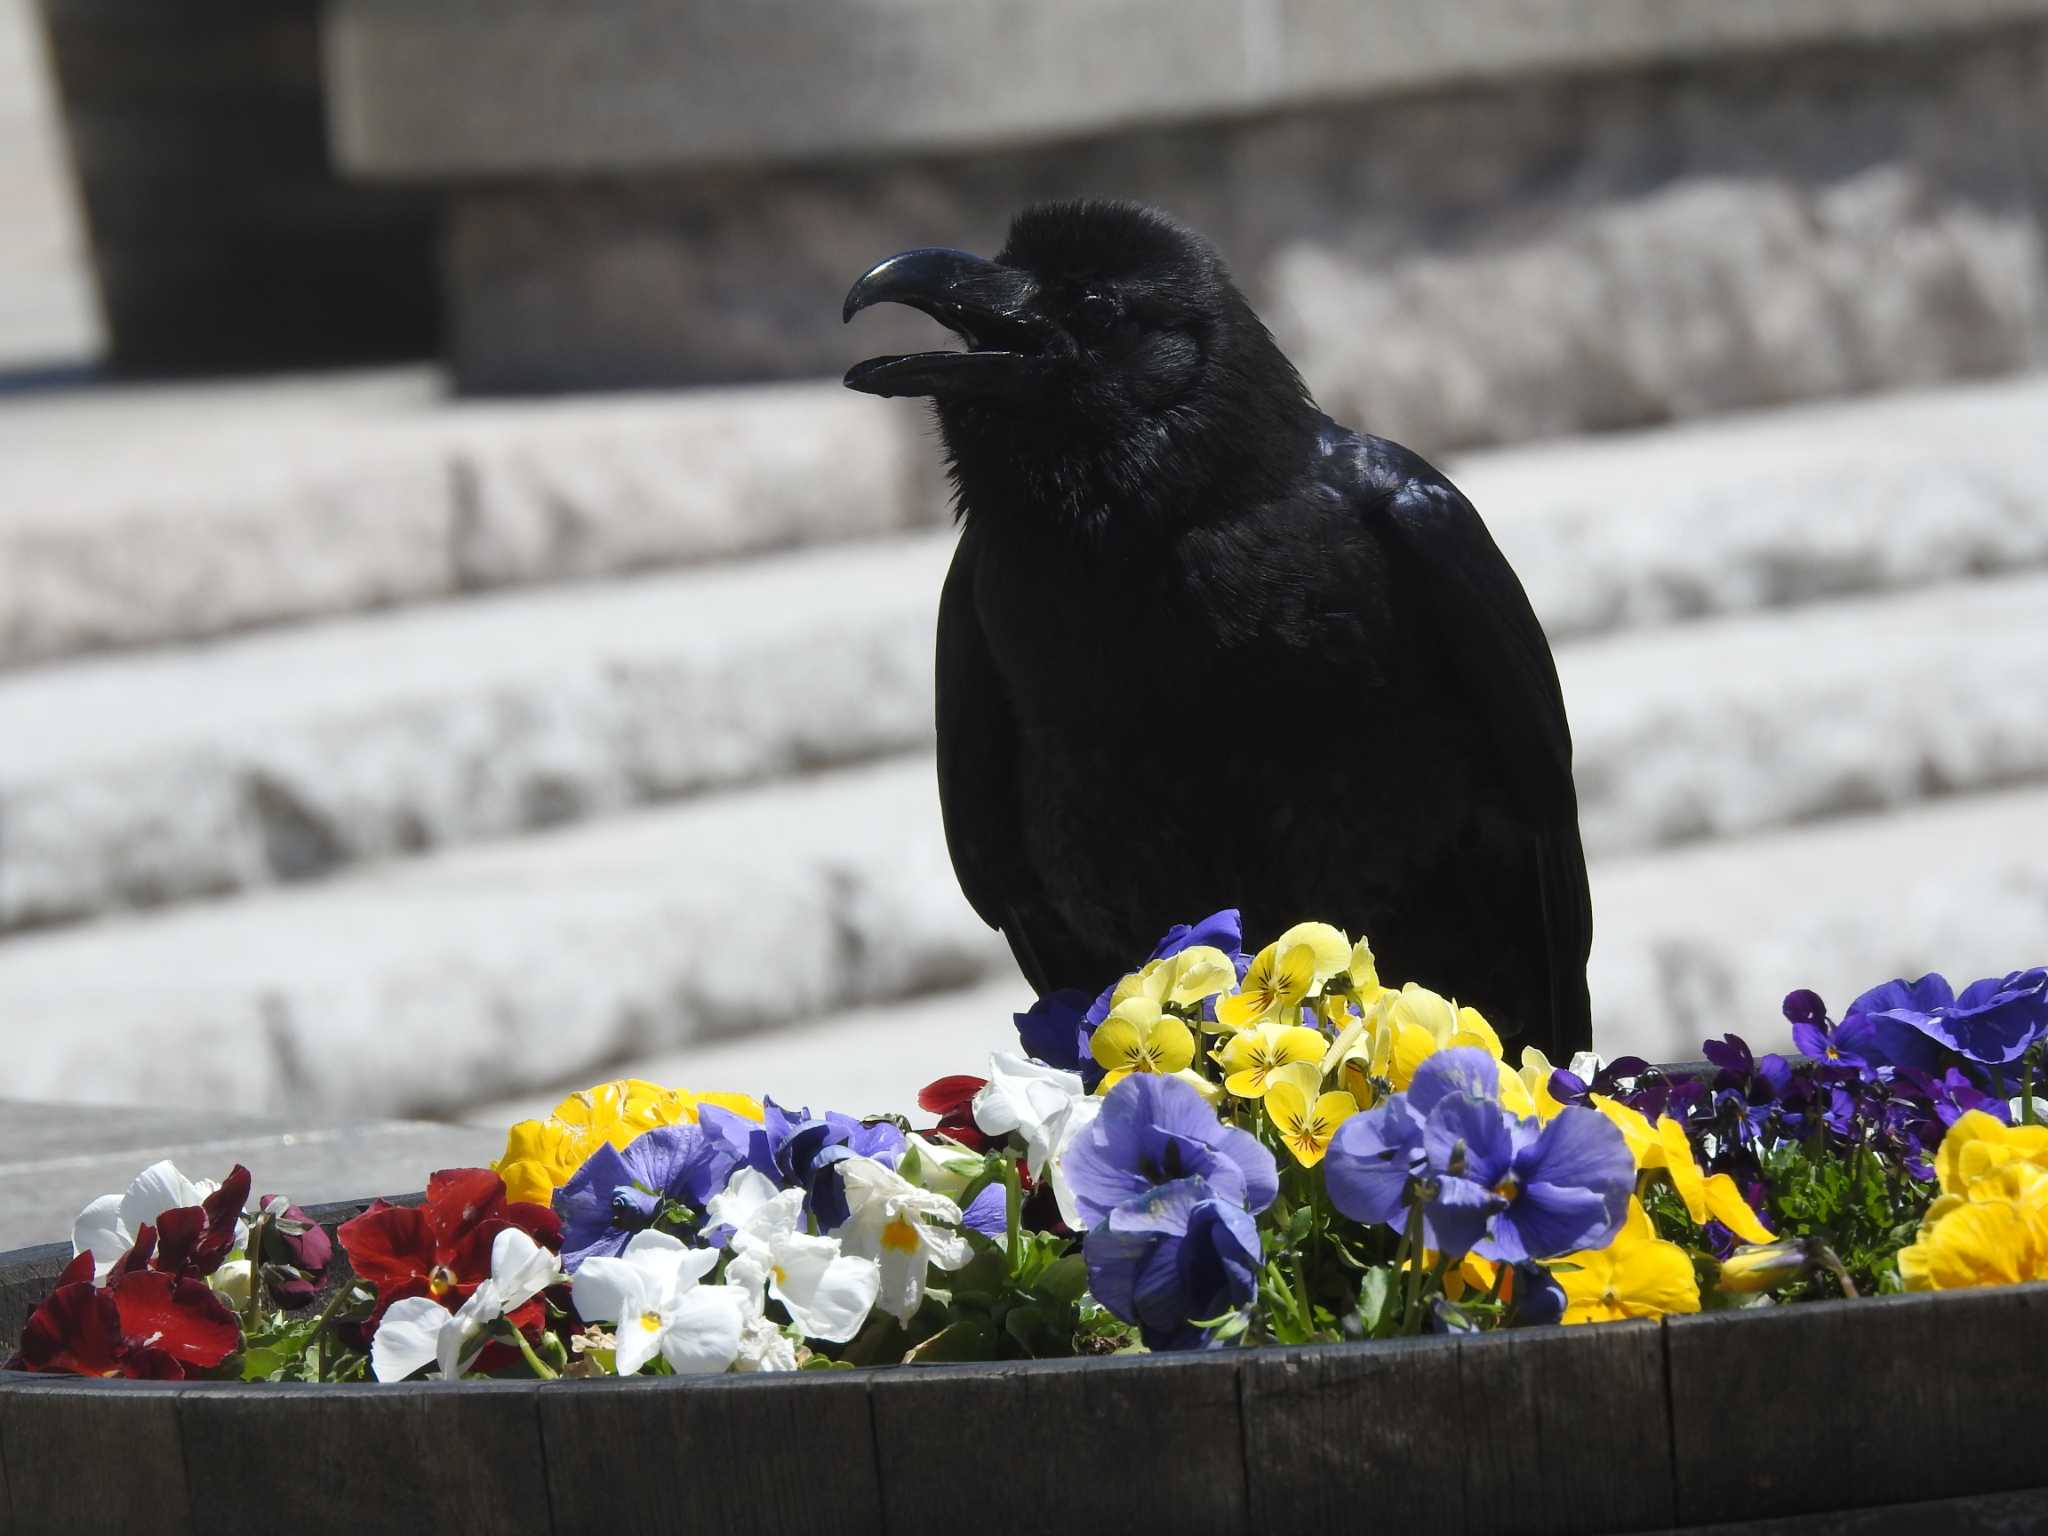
(1013, 1214)
(252, 1311)
(1411, 1308)
(2027, 1115)
(541, 1368)
(320, 1322)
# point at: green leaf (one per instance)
(1064, 1280)
(1376, 1301)
(969, 1338)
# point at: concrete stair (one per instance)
(371, 754)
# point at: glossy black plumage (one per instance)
(1202, 647)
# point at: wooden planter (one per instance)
(1906, 1414)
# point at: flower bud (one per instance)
(1762, 1266)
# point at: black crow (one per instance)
(1202, 647)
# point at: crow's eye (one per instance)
(1097, 314)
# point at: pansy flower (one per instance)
(1638, 1274)
(1138, 1036)
(107, 1227)
(904, 1229)
(1153, 1130)
(1252, 1056)
(144, 1324)
(1304, 1117)
(1284, 974)
(1171, 1256)
(442, 1248)
(652, 1294)
(667, 1175)
(417, 1331)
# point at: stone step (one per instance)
(1688, 946)
(467, 977)
(148, 779)
(141, 781)
(488, 974)
(137, 516)
(1704, 731)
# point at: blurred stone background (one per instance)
(458, 641)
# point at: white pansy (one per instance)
(828, 1293)
(1078, 1117)
(1029, 1098)
(1048, 1108)
(904, 1229)
(108, 1225)
(943, 1167)
(418, 1331)
(764, 1347)
(1586, 1065)
(745, 1193)
(651, 1296)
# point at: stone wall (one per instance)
(1456, 267)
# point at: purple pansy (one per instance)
(1055, 1030)
(1171, 1255)
(670, 1172)
(1491, 1181)
(1155, 1130)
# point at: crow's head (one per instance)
(1107, 353)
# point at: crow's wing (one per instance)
(978, 769)
(1454, 579)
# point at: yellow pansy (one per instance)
(1284, 974)
(1361, 1057)
(1977, 1145)
(1179, 981)
(1305, 1118)
(1996, 1235)
(1251, 1056)
(1636, 1275)
(1140, 1036)
(542, 1155)
(1357, 984)
(1990, 1225)
(1535, 1079)
(1425, 1022)
(1665, 1146)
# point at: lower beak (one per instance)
(985, 304)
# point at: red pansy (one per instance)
(952, 1100)
(441, 1249)
(143, 1324)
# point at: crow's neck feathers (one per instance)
(1104, 471)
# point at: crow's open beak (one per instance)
(988, 306)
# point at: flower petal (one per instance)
(701, 1336)
(408, 1337)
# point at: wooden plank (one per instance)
(1844, 1405)
(719, 1455)
(356, 1458)
(1565, 1430)
(1988, 1514)
(1116, 1445)
(1342, 1433)
(94, 1456)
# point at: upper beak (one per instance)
(985, 303)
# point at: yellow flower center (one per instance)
(781, 1275)
(900, 1235)
(651, 1321)
(440, 1280)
